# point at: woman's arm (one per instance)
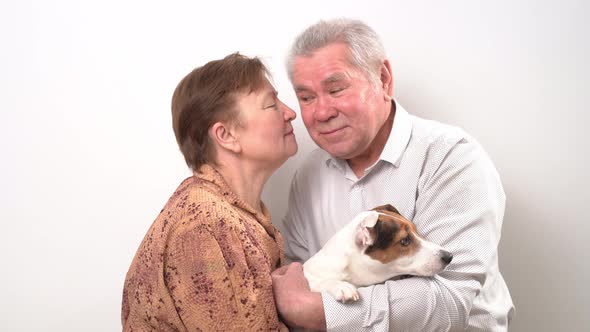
(211, 284)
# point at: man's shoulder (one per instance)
(437, 134)
(314, 162)
(312, 171)
(439, 142)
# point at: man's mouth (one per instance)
(330, 132)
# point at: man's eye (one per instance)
(271, 106)
(336, 90)
(406, 241)
(305, 99)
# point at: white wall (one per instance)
(89, 157)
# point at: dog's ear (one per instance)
(363, 237)
(387, 207)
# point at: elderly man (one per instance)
(373, 152)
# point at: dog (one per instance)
(375, 246)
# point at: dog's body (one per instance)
(375, 246)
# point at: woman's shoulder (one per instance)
(198, 204)
(196, 191)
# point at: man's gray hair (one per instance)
(366, 50)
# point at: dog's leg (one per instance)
(341, 290)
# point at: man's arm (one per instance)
(298, 306)
(296, 248)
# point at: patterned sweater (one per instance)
(204, 264)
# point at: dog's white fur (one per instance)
(342, 265)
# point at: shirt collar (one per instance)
(396, 143)
(399, 137)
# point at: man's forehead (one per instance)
(332, 77)
(335, 77)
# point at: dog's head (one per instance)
(387, 237)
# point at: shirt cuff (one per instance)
(355, 316)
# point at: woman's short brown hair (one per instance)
(208, 95)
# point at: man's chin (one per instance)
(335, 149)
(339, 154)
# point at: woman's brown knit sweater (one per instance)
(204, 264)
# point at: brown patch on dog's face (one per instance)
(394, 236)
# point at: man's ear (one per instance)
(386, 79)
(225, 136)
(364, 236)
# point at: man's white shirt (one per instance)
(440, 178)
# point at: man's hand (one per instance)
(297, 304)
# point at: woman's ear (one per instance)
(225, 137)
(386, 78)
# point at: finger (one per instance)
(280, 271)
(296, 266)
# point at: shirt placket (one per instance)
(356, 201)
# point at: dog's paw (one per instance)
(343, 291)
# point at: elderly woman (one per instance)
(205, 263)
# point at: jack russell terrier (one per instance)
(375, 246)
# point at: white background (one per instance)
(89, 157)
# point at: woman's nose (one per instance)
(288, 113)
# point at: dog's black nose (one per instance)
(446, 257)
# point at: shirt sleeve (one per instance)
(460, 205)
(207, 294)
(296, 248)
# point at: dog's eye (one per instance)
(406, 241)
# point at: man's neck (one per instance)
(370, 156)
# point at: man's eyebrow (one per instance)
(300, 88)
(336, 77)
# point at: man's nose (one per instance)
(324, 110)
